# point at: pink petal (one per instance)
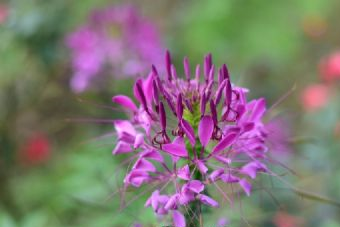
(178, 219)
(246, 186)
(139, 140)
(216, 174)
(152, 154)
(184, 173)
(189, 132)
(171, 204)
(208, 201)
(252, 168)
(201, 167)
(136, 178)
(122, 148)
(259, 110)
(225, 142)
(143, 164)
(195, 186)
(147, 88)
(177, 148)
(222, 159)
(124, 126)
(125, 102)
(205, 129)
(228, 178)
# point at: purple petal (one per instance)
(155, 93)
(179, 107)
(228, 93)
(252, 168)
(216, 174)
(208, 201)
(152, 154)
(125, 102)
(212, 73)
(124, 127)
(197, 73)
(168, 64)
(259, 110)
(205, 130)
(139, 93)
(147, 88)
(184, 173)
(222, 159)
(207, 65)
(225, 71)
(189, 132)
(162, 115)
(219, 91)
(203, 104)
(178, 219)
(246, 186)
(171, 204)
(248, 126)
(228, 178)
(122, 148)
(136, 178)
(176, 148)
(213, 111)
(186, 68)
(138, 141)
(225, 142)
(174, 72)
(195, 186)
(201, 167)
(145, 165)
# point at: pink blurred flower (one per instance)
(36, 150)
(315, 96)
(4, 12)
(283, 219)
(330, 67)
(116, 38)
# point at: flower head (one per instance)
(193, 132)
(117, 38)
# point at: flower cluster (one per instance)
(191, 132)
(118, 38)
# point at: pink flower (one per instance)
(36, 150)
(191, 133)
(117, 38)
(283, 219)
(315, 96)
(330, 67)
(4, 12)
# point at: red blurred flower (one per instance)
(330, 67)
(36, 150)
(315, 96)
(283, 219)
(3, 13)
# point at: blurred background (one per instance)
(62, 61)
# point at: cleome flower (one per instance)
(116, 39)
(188, 133)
